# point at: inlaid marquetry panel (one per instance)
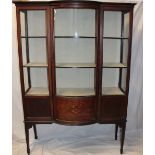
(75, 109)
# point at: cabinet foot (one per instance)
(122, 136)
(121, 151)
(27, 127)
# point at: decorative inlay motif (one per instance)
(76, 108)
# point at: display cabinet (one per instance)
(74, 60)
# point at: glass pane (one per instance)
(126, 24)
(26, 83)
(111, 50)
(38, 83)
(33, 37)
(116, 24)
(24, 53)
(22, 23)
(112, 24)
(111, 84)
(115, 51)
(75, 51)
(75, 82)
(39, 77)
(110, 77)
(125, 52)
(123, 79)
(35, 50)
(74, 22)
(33, 23)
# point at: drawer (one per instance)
(113, 108)
(75, 109)
(37, 107)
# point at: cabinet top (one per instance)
(71, 1)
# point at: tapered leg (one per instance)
(116, 130)
(27, 138)
(35, 131)
(122, 137)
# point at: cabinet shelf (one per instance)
(75, 92)
(33, 36)
(75, 65)
(112, 91)
(36, 65)
(115, 38)
(90, 65)
(114, 65)
(75, 37)
(37, 91)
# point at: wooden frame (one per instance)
(52, 108)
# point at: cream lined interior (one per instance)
(35, 65)
(40, 91)
(73, 52)
(63, 65)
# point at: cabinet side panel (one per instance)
(113, 108)
(37, 107)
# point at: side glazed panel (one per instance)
(37, 107)
(75, 109)
(113, 108)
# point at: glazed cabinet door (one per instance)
(34, 63)
(115, 45)
(75, 64)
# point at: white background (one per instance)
(48, 131)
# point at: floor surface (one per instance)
(76, 145)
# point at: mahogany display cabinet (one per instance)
(74, 60)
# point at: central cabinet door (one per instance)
(75, 65)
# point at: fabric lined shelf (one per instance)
(111, 91)
(89, 65)
(33, 36)
(37, 91)
(115, 38)
(75, 92)
(75, 37)
(75, 65)
(36, 65)
(114, 65)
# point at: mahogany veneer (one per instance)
(76, 110)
